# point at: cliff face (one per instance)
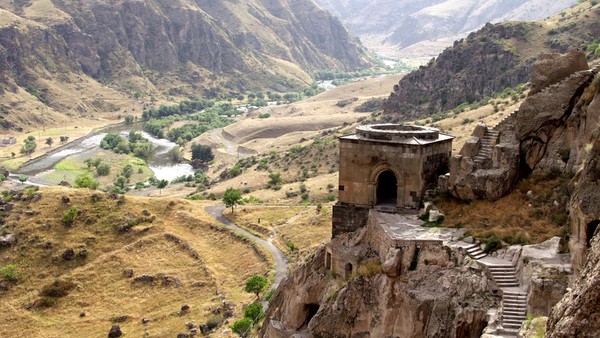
(377, 300)
(487, 61)
(183, 47)
(576, 315)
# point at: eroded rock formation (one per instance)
(411, 292)
(576, 315)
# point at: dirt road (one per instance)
(281, 264)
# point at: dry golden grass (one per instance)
(296, 229)
(182, 243)
(514, 218)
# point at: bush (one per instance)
(242, 327)
(202, 153)
(57, 289)
(254, 311)
(9, 272)
(103, 169)
(493, 243)
(330, 197)
(69, 216)
(86, 181)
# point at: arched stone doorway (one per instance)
(387, 189)
(591, 229)
(348, 270)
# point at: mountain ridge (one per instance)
(152, 48)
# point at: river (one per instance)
(88, 146)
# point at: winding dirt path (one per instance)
(281, 264)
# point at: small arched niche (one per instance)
(387, 188)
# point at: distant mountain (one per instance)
(489, 60)
(423, 28)
(181, 48)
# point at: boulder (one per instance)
(552, 68)
(435, 216)
(8, 240)
(115, 332)
(68, 254)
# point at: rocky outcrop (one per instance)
(473, 68)
(403, 296)
(486, 62)
(547, 132)
(576, 315)
(552, 68)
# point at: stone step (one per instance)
(515, 306)
(519, 299)
(512, 321)
(518, 293)
(479, 256)
(513, 312)
(500, 267)
(507, 285)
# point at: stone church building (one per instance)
(387, 167)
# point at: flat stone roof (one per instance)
(398, 134)
(407, 228)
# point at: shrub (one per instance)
(69, 216)
(254, 311)
(9, 272)
(330, 197)
(493, 243)
(103, 169)
(57, 289)
(86, 181)
(242, 327)
(269, 295)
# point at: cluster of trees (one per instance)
(29, 145)
(135, 144)
(183, 108)
(206, 120)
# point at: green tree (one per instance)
(86, 181)
(254, 311)
(2, 178)
(23, 178)
(49, 141)
(29, 146)
(256, 284)
(202, 153)
(129, 119)
(103, 169)
(242, 327)
(231, 198)
(127, 170)
(63, 139)
(161, 184)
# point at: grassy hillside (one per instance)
(122, 259)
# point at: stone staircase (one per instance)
(475, 252)
(487, 147)
(507, 122)
(514, 310)
(514, 299)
